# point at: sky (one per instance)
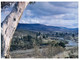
(61, 14)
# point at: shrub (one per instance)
(62, 44)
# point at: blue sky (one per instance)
(62, 14)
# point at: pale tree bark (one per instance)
(9, 26)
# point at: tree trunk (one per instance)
(9, 26)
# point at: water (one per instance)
(71, 43)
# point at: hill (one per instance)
(45, 28)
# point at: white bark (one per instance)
(9, 25)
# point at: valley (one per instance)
(36, 41)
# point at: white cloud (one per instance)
(30, 20)
(63, 14)
(53, 22)
(28, 13)
(73, 5)
(55, 14)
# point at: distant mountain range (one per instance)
(44, 28)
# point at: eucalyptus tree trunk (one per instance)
(9, 26)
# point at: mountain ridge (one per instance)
(42, 27)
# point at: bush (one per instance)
(62, 44)
(26, 42)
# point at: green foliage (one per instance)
(25, 42)
(38, 41)
(73, 35)
(3, 4)
(62, 44)
(44, 36)
(31, 2)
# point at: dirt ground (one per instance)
(70, 51)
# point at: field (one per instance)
(30, 44)
(68, 53)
